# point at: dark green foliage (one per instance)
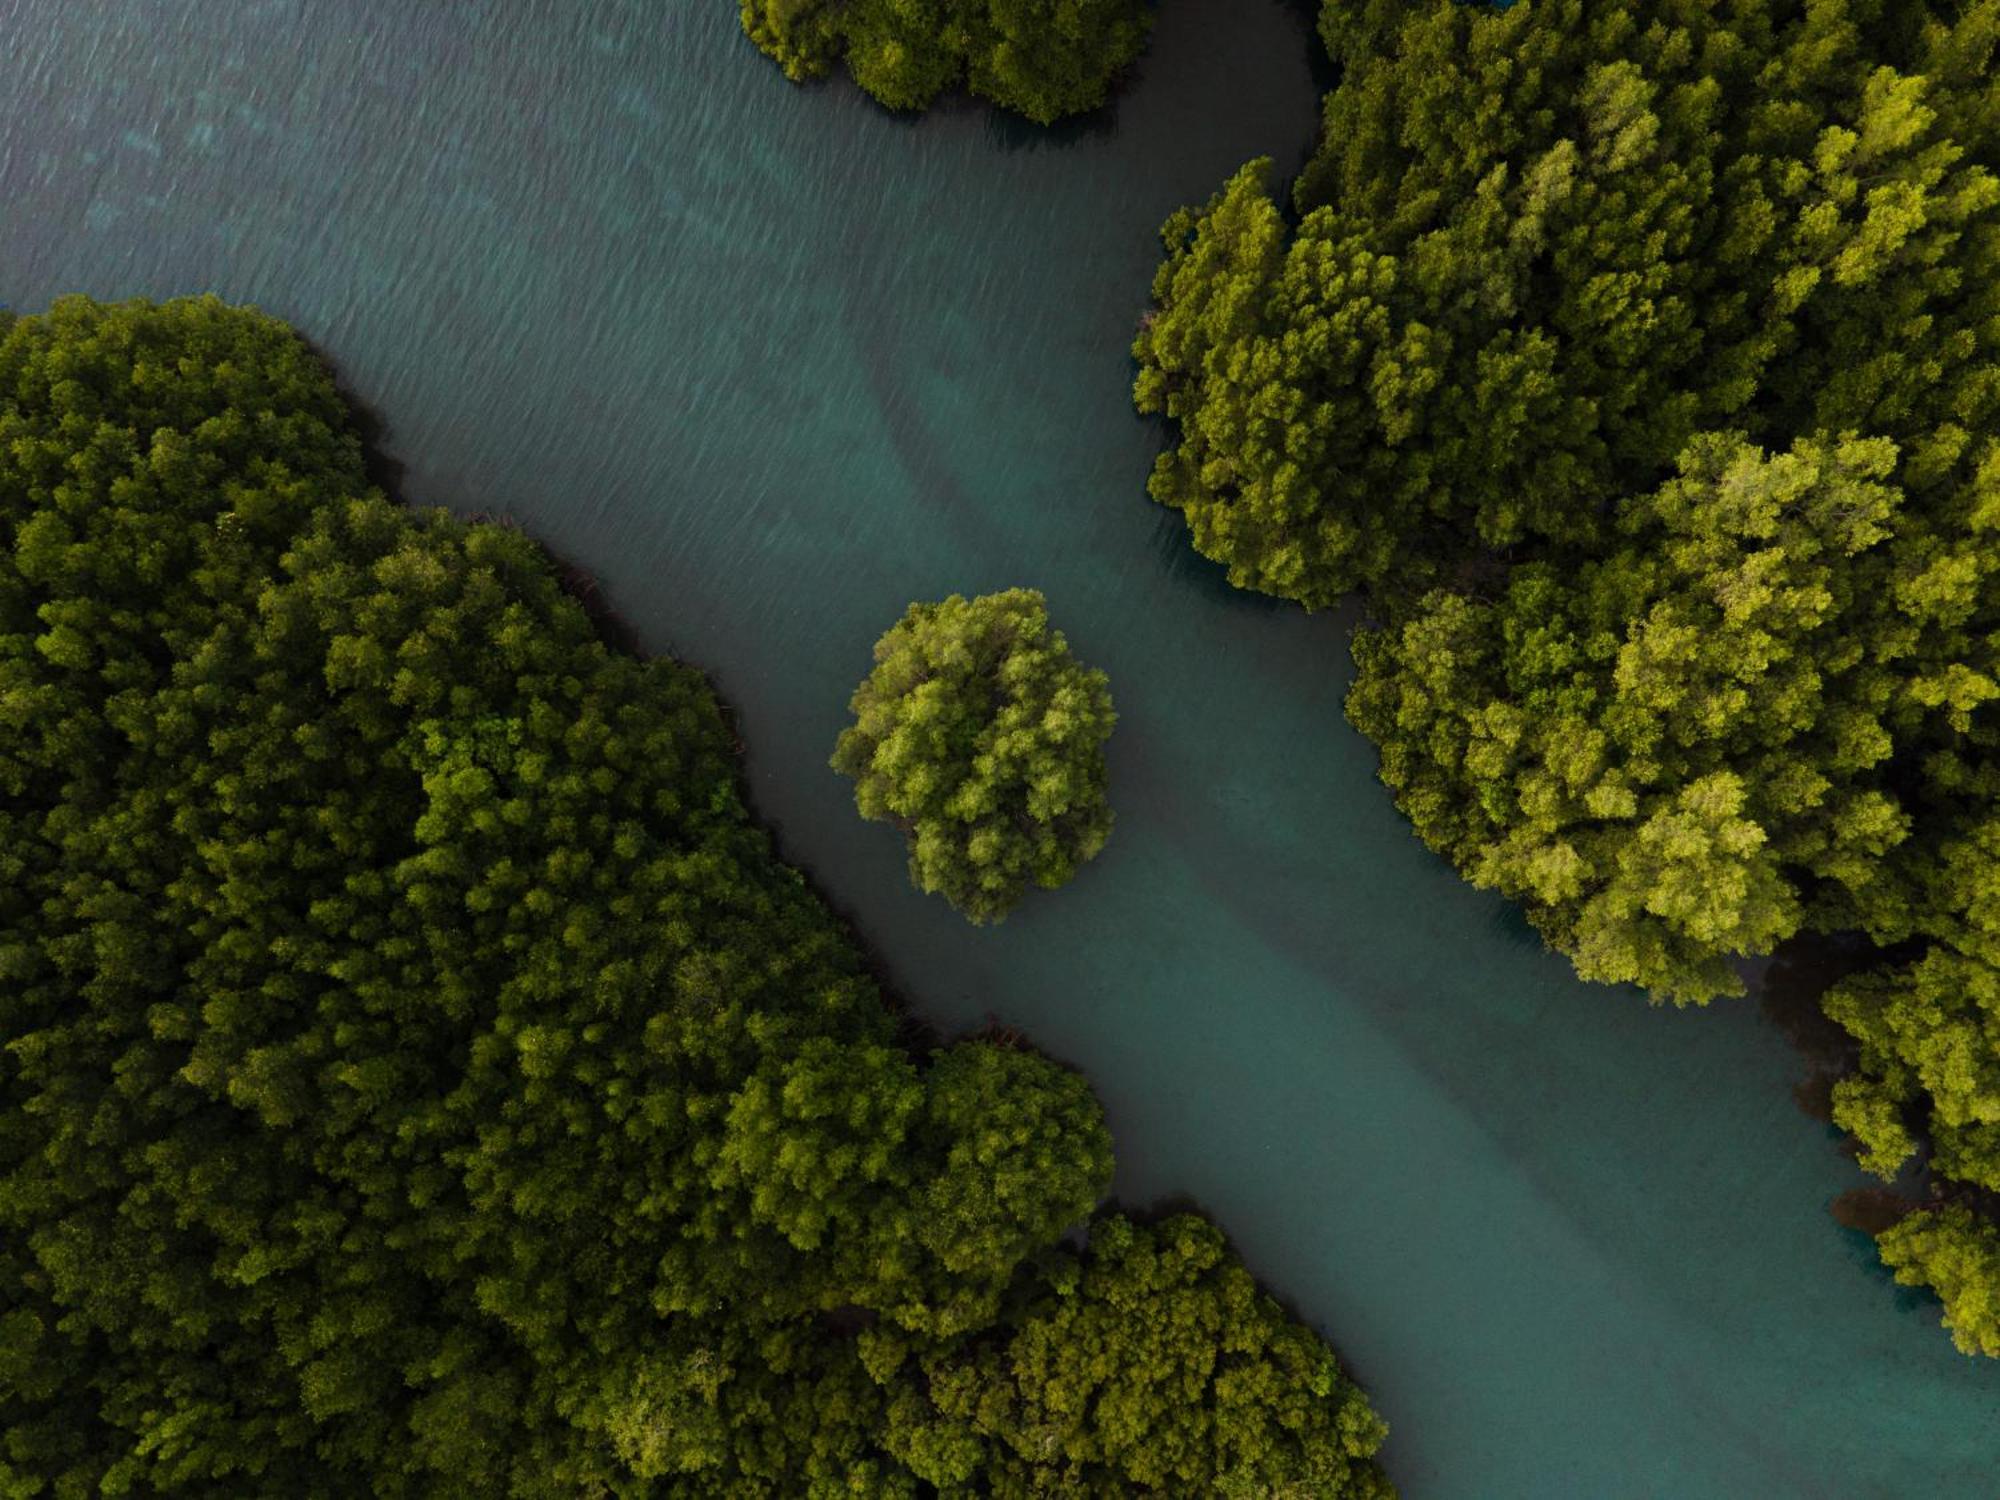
(1641, 363)
(419, 1077)
(982, 738)
(1152, 1365)
(1041, 58)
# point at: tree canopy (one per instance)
(1154, 1366)
(1640, 365)
(1955, 1253)
(1543, 247)
(1040, 58)
(419, 1076)
(982, 738)
(1671, 753)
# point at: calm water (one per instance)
(773, 364)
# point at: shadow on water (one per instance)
(1016, 133)
(384, 470)
(1789, 992)
(1175, 555)
(1871, 1210)
(1510, 921)
(1325, 74)
(1862, 1215)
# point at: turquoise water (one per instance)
(773, 363)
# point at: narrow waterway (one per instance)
(772, 363)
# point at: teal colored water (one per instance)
(773, 363)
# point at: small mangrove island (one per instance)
(982, 738)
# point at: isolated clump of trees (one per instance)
(1640, 365)
(1040, 58)
(981, 736)
(417, 1075)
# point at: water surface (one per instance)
(772, 363)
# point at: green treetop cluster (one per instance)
(982, 737)
(1955, 1253)
(420, 1078)
(1641, 365)
(1041, 58)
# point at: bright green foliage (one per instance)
(1930, 1042)
(419, 1078)
(1956, 1254)
(1676, 751)
(1929, 1029)
(982, 738)
(1152, 1365)
(1641, 362)
(1042, 58)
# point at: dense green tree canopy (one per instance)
(419, 1077)
(982, 738)
(1041, 58)
(1641, 364)
(1673, 752)
(1544, 246)
(1153, 1366)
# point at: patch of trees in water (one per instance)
(1640, 365)
(1041, 58)
(982, 738)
